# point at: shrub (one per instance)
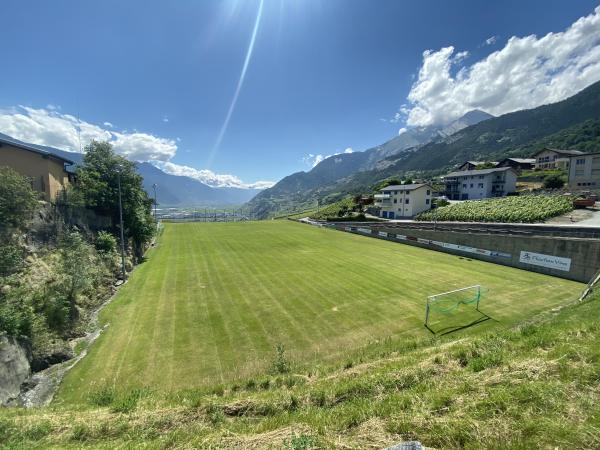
(106, 242)
(553, 182)
(11, 258)
(17, 199)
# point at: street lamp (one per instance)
(119, 169)
(154, 187)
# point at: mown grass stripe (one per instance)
(212, 301)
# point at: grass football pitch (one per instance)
(213, 300)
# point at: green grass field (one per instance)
(213, 300)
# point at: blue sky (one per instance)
(158, 78)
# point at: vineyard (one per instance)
(337, 209)
(523, 209)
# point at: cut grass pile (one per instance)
(532, 386)
(213, 302)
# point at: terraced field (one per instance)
(213, 301)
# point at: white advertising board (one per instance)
(549, 261)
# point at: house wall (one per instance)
(477, 187)
(419, 200)
(47, 175)
(549, 159)
(584, 172)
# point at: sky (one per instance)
(244, 92)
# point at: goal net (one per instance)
(454, 309)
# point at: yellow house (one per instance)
(46, 171)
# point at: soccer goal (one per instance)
(454, 309)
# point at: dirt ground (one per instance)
(583, 215)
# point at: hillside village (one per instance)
(439, 290)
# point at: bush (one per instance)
(106, 242)
(553, 182)
(11, 258)
(439, 202)
(17, 199)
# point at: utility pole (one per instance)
(121, 224)
(154, 187)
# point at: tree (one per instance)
(553, 182)
(98, 181)
(17, 199)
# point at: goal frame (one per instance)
(430, 298)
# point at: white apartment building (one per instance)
(403, 200)
(478, 184)
(584, 171)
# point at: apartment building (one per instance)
(478, 184)
(403, 201)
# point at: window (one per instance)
(395, 200)
(395, 192)
(407, 200)
(480, 185)
(580, 161)
(407, 192)
(471, 185)
(428, 192)
(481, 177)
(427, 201)
(464, 185)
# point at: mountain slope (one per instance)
(503, 135)
(302, 188)
(570, 123)
(172, 190)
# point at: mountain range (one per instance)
(429, 151)
(172, 190)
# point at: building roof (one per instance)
(559, 151)
(478, 172)
(585, 154)
(520, 160)
(478, 163)
(7, 140)
(404, 187)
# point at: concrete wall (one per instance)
(578, 258)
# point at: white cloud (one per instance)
(527, 72)
(491, 40)
(312, 160)
(144, 147)
(49, 127)
(209, 177)
(165, 119)
(402, 131)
